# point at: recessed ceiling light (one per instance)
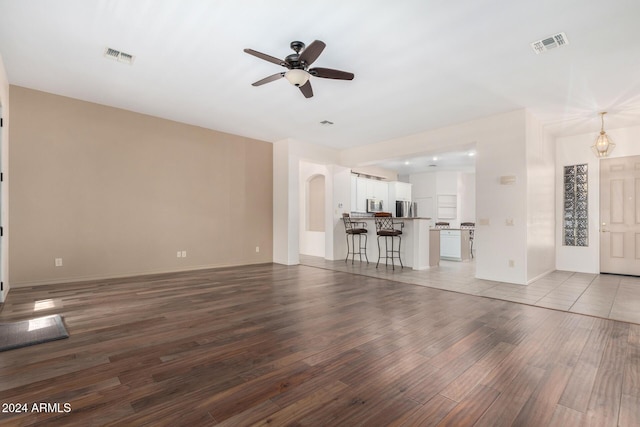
(407, 162)
(435, 159)
(472, 153)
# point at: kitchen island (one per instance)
(420, 248)
(455, 244)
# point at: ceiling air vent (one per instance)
(118, 56)
(326, 123)
(551, 42)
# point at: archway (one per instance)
(315, 201)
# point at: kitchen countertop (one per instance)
(358, 218)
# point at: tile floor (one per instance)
(601, 295)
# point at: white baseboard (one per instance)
(16, 285)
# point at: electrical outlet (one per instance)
(257, 248)
(512, 263)
(58, 262)
(179, 254)
(184, 254)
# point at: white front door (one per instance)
(620, 215)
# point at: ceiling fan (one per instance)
(297, 64)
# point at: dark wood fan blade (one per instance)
(328, 73)
(268, 79)
(266, 57)
(306, 90)
(312, 52)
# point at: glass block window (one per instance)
(575, 227)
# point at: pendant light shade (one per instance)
(603, 145)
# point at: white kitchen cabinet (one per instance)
(454, 244)
(400, 191)
(381, 192)
(361, 194)
(354, 193)
(403, 191)
(365, 188)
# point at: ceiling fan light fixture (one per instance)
(297, 77)
(603, 145)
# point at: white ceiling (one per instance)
(462, 159)
(418, 64)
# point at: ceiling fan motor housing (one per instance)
(292, 61)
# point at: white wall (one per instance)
(427, 185)
(447, 183)
(572, 150)
(423, 192)
(500, 143)
(540, 200)
(287, 155)
(341, 178)
(513, 222)
(285, 204)
(501, 152)
(4, 202)
(467, 197)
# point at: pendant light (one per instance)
(603, 145)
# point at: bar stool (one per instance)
(471, 226)
(353, 229)
(386, 227)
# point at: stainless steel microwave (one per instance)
(374, 205)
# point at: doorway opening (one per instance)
(315, 202)
(313, 209)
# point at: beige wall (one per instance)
(117, 193)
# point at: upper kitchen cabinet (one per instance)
(399, 191)
(378, 190)
(365, 188)
(354, 193)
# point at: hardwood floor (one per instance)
(277, 345)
